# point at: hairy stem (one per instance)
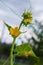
(11, 54)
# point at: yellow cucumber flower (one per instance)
(14, 31)
(28, 20)
(26, 54)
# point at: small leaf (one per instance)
(7, 25)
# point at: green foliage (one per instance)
(16, 63)
(22, 48)
(26, 48)
(5, 49)
(1, 62)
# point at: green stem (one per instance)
(11, 54)
(20, 25)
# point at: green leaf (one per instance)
(21, 49)
(7, 25)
